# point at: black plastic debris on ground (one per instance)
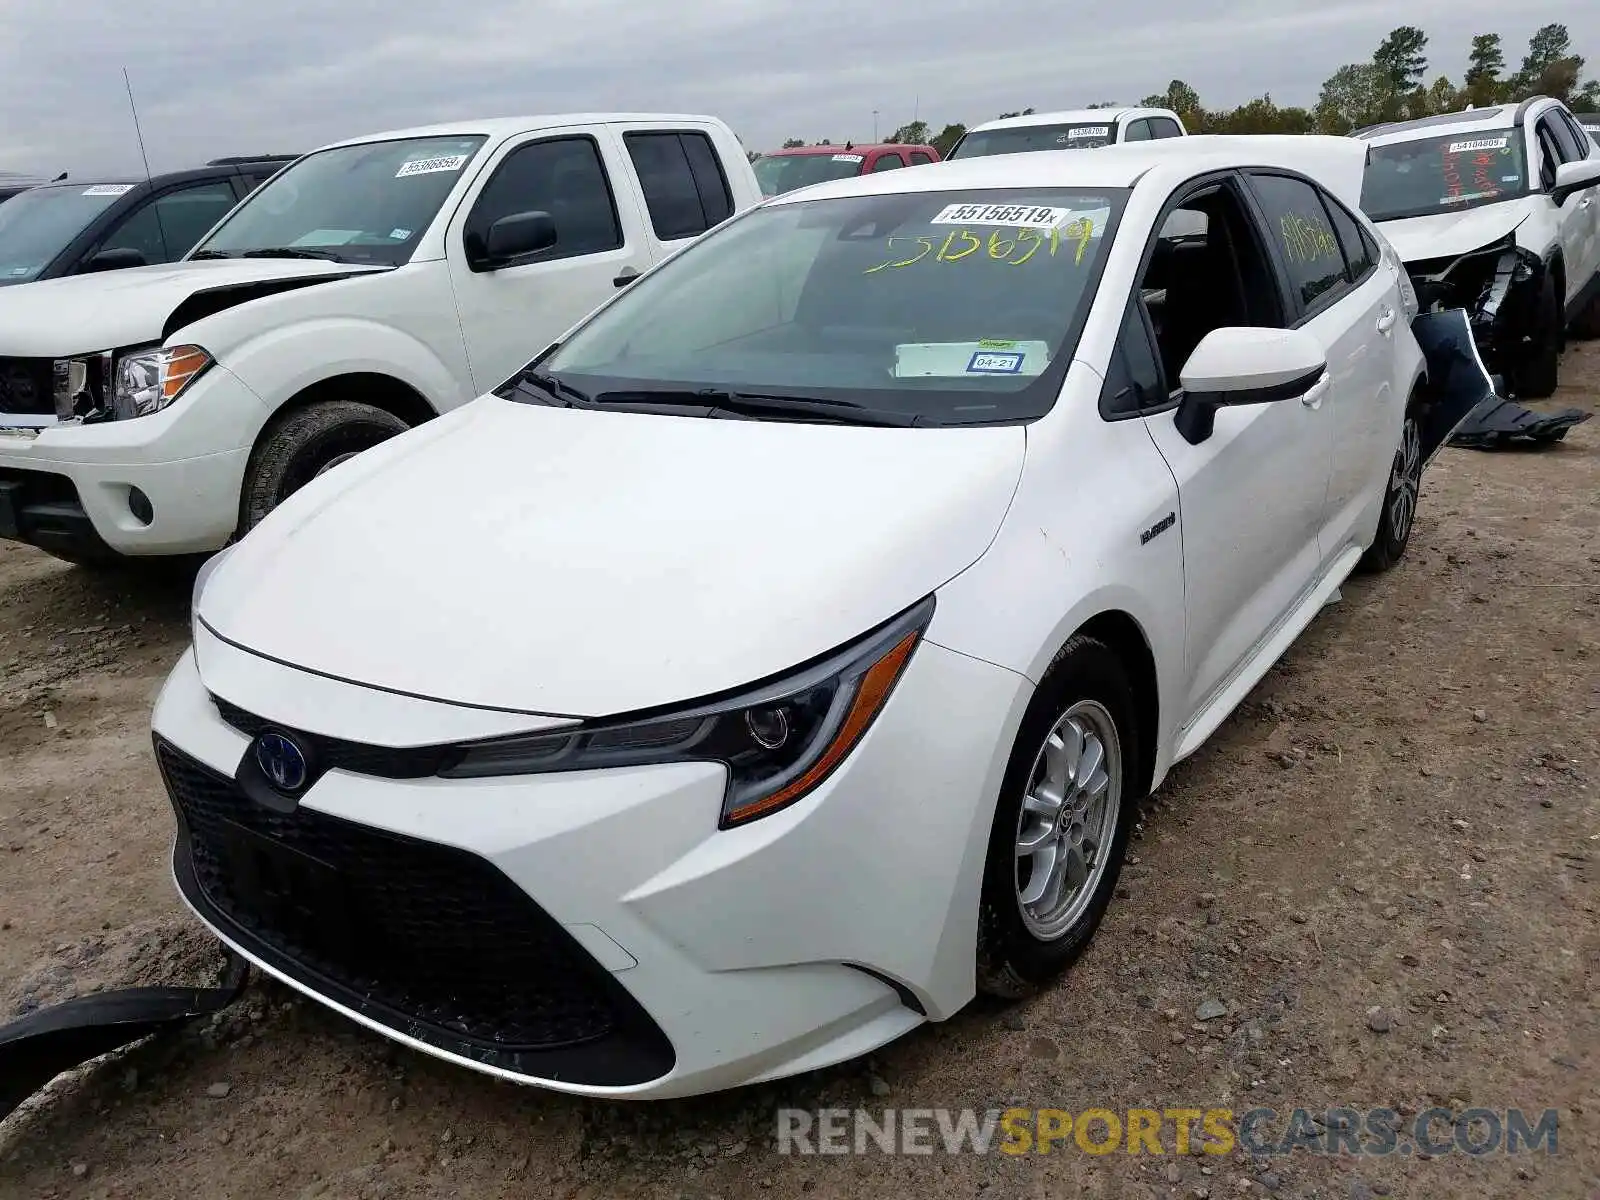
(43, 1044)
(1499, 424)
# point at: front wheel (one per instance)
(1061, 826)
(1400, 495)
(305, 443)
(1536, 377)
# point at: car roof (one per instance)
(1471, 120)
(495, 128)
(1069, 116)
(1335, 162)
(852, 148)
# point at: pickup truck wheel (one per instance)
(1062, 822)
(1536, 376)
(304, 444)
(1400, 495)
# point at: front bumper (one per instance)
(594, 932)
(164, 484)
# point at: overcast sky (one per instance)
(215, 77)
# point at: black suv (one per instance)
(57, 229)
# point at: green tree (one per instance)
(792, 143)
(1588, 97)
(1442, 97)
(1484, 64)
(1181, 99)
(1352, 96)
(1550, 68)
(1401, 58)
(913, 133)
(947, 138)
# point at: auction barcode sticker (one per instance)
(1498, 143)
(428, 166)
(108, 189)
(847, 158)
(1013, 216)
(1088, 131)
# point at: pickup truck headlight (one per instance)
(779, 740)
(146, 381)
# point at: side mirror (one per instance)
(1245, 365)
(1574, 177)
(513, 237)
(115, 260)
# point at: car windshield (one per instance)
(778, 173)
(36, 225)
(1591, 125)
(1432, 175)
(367, 203)
(947, 307)
(1020, 139)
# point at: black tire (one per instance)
(1400, 496)
(1013, 961)
(1587, 323)
(304, 442)
(1537, 375)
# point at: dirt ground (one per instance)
(1403, 817)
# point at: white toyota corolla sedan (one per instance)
(779, 660)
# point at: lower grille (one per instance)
(27, 386)
(434, 942)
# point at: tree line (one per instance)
(1391, 86)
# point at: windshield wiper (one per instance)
(203, 254)
(552, 389)
(291, 252)
(755, 404)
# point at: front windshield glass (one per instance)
(1427, 176)
(946, 307)
(368, 203)
(1022, 139)
(784, 172)
(36, 225)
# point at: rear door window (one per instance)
(684, 187)
(1301, 231)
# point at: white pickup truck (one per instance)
(368, 287)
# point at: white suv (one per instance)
(1497, 211)
(1070, 129)
(370, 286)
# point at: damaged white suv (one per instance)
(1496, 211)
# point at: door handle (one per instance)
(1386, 321)
(1317, 392)
(626, 276)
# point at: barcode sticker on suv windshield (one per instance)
(108, 189)
(1498, 143)
(847, 158)
(1012, 216)
(1088, 131)
(428, 166)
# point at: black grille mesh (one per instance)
(27, 386)
(433, 941)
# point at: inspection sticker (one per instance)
(1088, 131)
(108, 189)
(995, 362)
(429, 166)
(848, 157)
(1499, 143)
(1012, 216)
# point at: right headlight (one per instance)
(146, 381)
(779, 740)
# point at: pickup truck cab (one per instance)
(368, 287)
(59, 228)
(1069, 129)
(800, 166)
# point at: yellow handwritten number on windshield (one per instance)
(1000, 246)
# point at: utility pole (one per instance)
(874, 125)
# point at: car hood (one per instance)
(1447, 235)
(85, 313)
(583, 563)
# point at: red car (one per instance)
(785, 170)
